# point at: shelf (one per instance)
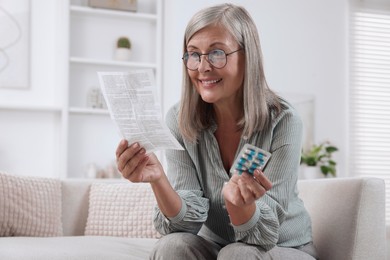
(97, 11)
(88, 134)
(32, 108)
(112, 63)
(88, 111)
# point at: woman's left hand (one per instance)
(243, 190)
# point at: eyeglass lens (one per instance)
(217, 58)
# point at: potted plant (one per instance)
(123, 49)
(319, 158)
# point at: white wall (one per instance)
(28, 139)
(42, 89)
(304, 43)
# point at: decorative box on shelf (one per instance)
(123, 5)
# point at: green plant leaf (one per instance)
(331, 149)
(321, 155)
(331, 162)
(324, 169)
(332, 171)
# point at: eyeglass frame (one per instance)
(207, 59)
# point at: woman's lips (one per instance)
(210, 82)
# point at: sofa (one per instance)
(111, 219)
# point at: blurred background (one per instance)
(329, 58)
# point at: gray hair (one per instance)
(258, 100)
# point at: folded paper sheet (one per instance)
(130, 98)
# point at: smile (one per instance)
(207, 82)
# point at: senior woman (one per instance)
(206, 211)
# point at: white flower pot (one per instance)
(122, 54)
(311, 172)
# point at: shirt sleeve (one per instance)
(282, 169)
(183, 177)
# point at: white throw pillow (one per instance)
(121, 209)
(30, 206)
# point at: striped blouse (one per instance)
(198, 175)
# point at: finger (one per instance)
(232, 194)
(254, 186)
(235, 177)
(137, 174)
(246, 191)
(239, 178)
(260, 177)
(123, 144)
(125, 158)
(133, 161)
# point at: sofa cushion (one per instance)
(121, 209)
(75, 247)
(29, 206)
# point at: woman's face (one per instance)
(218, 86)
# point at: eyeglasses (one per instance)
(217, 58)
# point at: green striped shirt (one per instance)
(198, 175)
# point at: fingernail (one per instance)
(135, 145)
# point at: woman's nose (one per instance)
(204, 64)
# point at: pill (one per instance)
(260, 156)
(241, 167)
(250, 152)
(242, 161)
(247, 156)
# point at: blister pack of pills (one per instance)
(249, 159)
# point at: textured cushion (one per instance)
(29, 206)
(121, 209)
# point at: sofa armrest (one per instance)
(348, 216)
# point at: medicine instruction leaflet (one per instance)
(130, 99)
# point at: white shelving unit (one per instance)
(88, 134)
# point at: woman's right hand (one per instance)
(137, 166)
